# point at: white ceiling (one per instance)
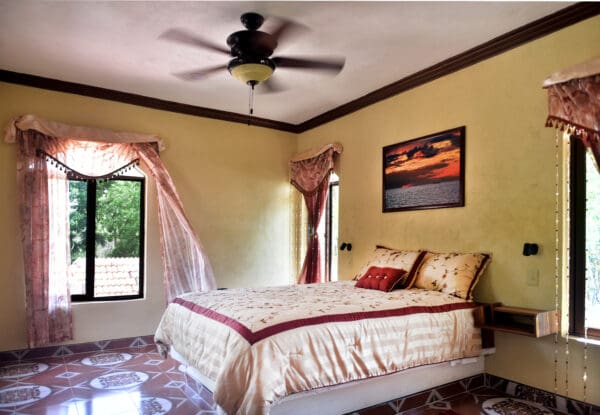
(115, 45)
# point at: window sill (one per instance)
(589, 341)
(107, 301)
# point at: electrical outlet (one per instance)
(533, 277)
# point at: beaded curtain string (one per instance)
(558, 134)
(556, 253)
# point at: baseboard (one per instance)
(70, 349)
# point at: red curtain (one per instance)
(574, 103)
(310, 175)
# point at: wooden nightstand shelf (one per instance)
(517, 320)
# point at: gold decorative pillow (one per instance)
(384, 257)
(451, 273)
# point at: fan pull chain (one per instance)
(251, 98)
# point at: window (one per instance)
(584, 302)
(106, 221)
(328, 231)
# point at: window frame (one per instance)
(328, 229)
(577, 241)
(91, 242)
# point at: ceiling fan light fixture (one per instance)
(251, 72)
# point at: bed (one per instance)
(281, 349)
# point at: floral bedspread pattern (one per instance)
(316, 335)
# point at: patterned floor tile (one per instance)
(464, 404)
(415, 401)
(151, 405)
(55, 376)
(187, 408)
(451, 389)
(116, 403)
(59, 404)
(509, 405)
(152, 362)
(30, 398)
(107, 359)
(150, 348)
(137, 381)
(79, 373)
(20, 395)
(378, 410)
(22, 370)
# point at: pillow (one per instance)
(383, 279)
(384, 257)
(451, 273)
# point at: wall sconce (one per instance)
(346, 245)
(530, 249)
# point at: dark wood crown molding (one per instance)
(534, 30)
(140, 100)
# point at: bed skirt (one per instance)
(355, 395)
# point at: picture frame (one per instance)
(425, 173)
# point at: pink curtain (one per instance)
(185, 264)
(574, 103)
(47, 295)
(42, 162)
(310, 175)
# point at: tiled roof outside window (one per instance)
(113, 276)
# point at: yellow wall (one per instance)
(233, 181)
(510, 181)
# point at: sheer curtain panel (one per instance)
(46, 291)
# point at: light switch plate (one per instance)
(533, 277)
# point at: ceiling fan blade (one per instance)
(182, 36)
(332, 64)
(270, 86)
(198, 74)
(286, 29)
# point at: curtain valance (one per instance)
(310, 168)
(56, 129)
(574, 103)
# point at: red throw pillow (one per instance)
(383, 279)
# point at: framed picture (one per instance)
(425, 173)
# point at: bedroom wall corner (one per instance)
(12, 285)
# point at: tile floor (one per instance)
(130, 381)
(137, 381)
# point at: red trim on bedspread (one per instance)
(253, 337)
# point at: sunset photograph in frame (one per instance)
(425, 173)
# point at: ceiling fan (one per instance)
(250, 51)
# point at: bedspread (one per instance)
(262, 344)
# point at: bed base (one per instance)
(352, 396)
